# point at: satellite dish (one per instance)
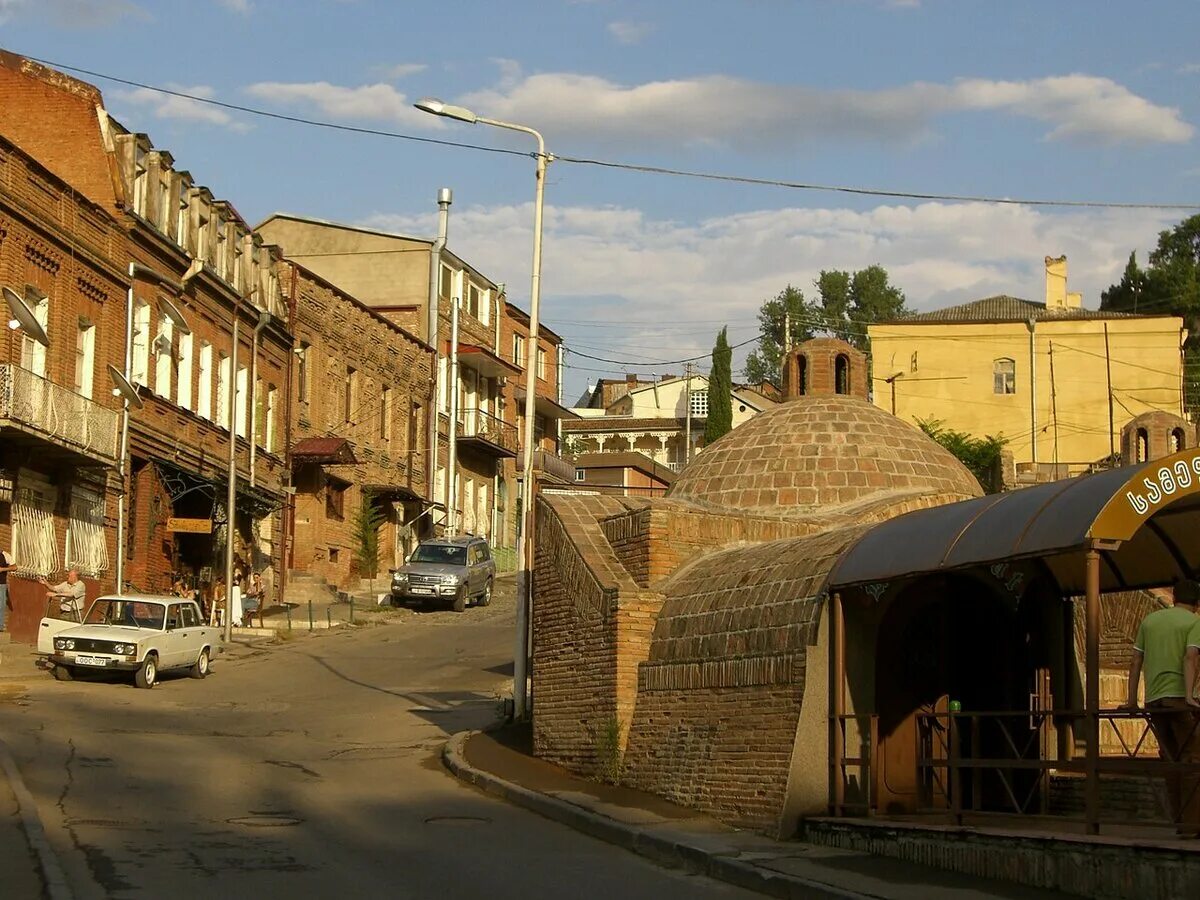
(123, 387)
(171, 311)
(24, 318)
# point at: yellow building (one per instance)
(1039, 374)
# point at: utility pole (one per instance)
(687, 403)
(1112, 451)
(452, 430)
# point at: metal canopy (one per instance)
(1144, 516)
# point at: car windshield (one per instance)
(130, 613)
(447, 554)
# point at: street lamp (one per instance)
(524, 580)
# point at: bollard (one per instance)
(351, 610)
(289, 617)
(310, 614)
(329, 617)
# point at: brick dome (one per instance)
(815, 453)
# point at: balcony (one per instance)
(486, 433)
(547, 465)
(36, 411)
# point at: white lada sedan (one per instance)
(135, 633)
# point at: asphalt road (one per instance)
(309, 769)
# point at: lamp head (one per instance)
(436, 107)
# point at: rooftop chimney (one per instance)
(1057, 295)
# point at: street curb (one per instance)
(661, 849)
(51, 871)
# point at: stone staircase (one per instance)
(303, 587)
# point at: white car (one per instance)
(132, 633)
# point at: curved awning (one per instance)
(1145, 517)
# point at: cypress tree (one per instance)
(720, 385)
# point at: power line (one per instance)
(629, 167)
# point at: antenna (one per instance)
(172, 312)
(23, 317)
(123, 387)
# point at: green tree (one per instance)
(720, 385)
(367, 521)
(1169, 285)
(846, 302)
(980, 455)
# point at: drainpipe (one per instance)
(452, 437)
(289, 497)
(264, 319)
(499, 293)
(444, 198)
(1031, 324)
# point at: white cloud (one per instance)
(1189, 69)
(380, 102)
(742, 113)
(401, 70)
(71, 13)
(241, 7)
(721, 269)
(168, 106)
(630, 32)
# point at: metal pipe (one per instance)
(264, 318)
(231, 493)
(452, 430)
(433, 316)
(1092, 695)
(1031, 324)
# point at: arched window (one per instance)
(1004, 376)
(801, 374)
(1141, 449)
(1177, 440)
(841, 374)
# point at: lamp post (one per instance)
(524, 580)
(123, 387)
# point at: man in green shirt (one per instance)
(1161, 651)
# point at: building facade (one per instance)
(361, 398)
(1037, 374)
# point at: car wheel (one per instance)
(200, 669)
(147, 675)
(63, 673)
(460, 600)
(486, 597)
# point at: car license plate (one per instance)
(91, 661)
(418, 590)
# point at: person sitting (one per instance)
(252, 599)
(70, 594)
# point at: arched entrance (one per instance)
(942, 639)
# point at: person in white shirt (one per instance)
(70, 593)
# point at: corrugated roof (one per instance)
(324, 449)
(1003, 308)
(624, 459)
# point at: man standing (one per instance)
(1161, 651)
(70, 593)
(6, 566)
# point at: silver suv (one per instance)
(453, 571)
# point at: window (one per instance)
(349, 389)
(1178, 441)
(33, 354)
(141, 343)
(268, 440)
(385, 414)
(802, 374)
(1004, 377)
(446, 283)
(204, 381)
(699, 404)
(473, 300)
(85, 357)
(86, 548)
(414, 434)
(33, 525)
(841, 374)
(223, 379)
(302, 372)
(580, 474)
(183, 372)
(541, 364)
(519, 350)
(335, 499)
(241, 400)
(164, 357)
(1141, 448)
(333, 555)
(191, 619)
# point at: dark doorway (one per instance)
(942, 640)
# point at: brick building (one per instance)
(196, 267)
(360, 401)
(59, 423)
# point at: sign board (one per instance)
(190, 526)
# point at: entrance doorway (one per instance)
(944, 640)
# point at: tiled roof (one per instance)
(1003, 308)
(623, 423)
(324, 449)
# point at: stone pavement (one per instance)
(500, 763)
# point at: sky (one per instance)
(1072, 100)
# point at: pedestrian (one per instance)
(1161, 652)
(252, 600)
(6, 566)
(70, 594)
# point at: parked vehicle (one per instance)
(135, 633)
(451, 571)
